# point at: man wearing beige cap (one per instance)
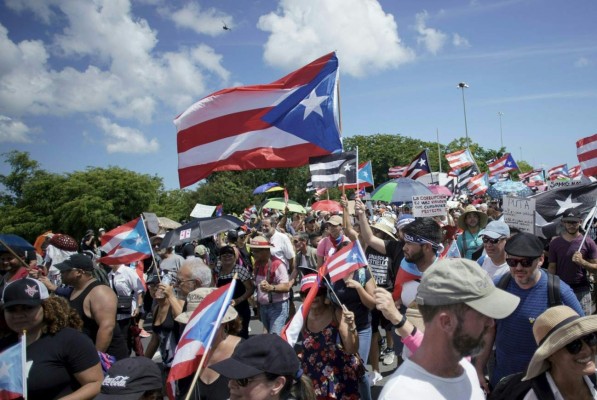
(458, 302)
(331, 243)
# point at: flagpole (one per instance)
(339, 105)
(208, 348)
(439, 154)
(24, 362)
(154, 262)
(589, 226)
(15, 255)
(357, 174)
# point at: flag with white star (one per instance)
(126, 244)
(12, 371)
(550, 205)
(350, 258)
(365, 176)
(333, 170)
(503, 164)
(418, 167)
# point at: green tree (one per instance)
(22, 169)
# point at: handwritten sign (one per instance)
(432, 205)
(559, 184)
(519, 213)
(202, 211)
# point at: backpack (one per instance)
(100, 275)
(553, 288)
(511, 387)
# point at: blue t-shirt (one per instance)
(514, 340)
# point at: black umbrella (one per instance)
(200, 228)
(15, 242)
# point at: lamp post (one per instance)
(462, 86)
(501, 135)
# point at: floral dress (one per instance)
(335, 373)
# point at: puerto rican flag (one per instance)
(586, 151)
(558, 172)
(292, 330)
(350, 258)
(460, 159)
(198, 335)
(503, 164)
(575, 172)
(396, 172)
(15, 368)
(277, 125)
(478, 184)
(126, 244)
(533, 178)
(364, 175)
(418, 167)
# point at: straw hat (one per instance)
(260, 242)
(195, 298)
(472, 209)
(553, 330)
(386, 225)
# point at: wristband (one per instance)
(414, 331)
(401, 323)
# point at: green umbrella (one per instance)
(277, 203)
(400, 190)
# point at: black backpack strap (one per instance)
(541, 387)
(504, 281)
(553, 290)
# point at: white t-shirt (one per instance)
(282, 247)
(411, 381)
(494, 270)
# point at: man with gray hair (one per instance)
(458, 302)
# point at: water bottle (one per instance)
(166, 280)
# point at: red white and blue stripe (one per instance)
(350, 258)
(292, 330)
(460, 159)
(503, 164)
(558, 172)
(198, 335)
(12, 371)
(126, 244)
(277, 125)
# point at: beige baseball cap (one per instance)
(195, 298)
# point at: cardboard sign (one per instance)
(519, 213)
(202, 211)
(431, 205)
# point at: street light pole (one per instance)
(462, 86)
(501, 135)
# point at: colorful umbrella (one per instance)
(331, 206)
(268, 188)
(200, 228)
(439, 189)
(277, 203)
(514, 188)
(400, 190)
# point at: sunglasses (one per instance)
(243, 382)
(576, 346)
(525, 262)
(487, 239)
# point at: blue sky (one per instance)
(98, 83)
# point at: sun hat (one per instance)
(524, 244)
(260, 242)
(472, 209)
(571, 215)
(308, 282)
(386, 225)
(335, 220)
(260, 353)
(25, 291)
(129, 378)
(195, 298)
(78, 261)
(496, 230)
(459, 280)
(553, 330)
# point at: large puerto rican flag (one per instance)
(503, 164)
(460, 159)
(292, 330)
(276, 125)
(586, 151)
(126, 244)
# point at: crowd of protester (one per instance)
(511, 318)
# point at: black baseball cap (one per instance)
(227, 250)
(260, 353)
(571, 215)
(25, 291)
(130, 378)
(78, 261)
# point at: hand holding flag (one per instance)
(126, 244)
(350, 258)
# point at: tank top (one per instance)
(117, 347)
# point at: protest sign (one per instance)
(559, 184)
(519, 213)
(202, 211)
(429, 205)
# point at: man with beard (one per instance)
(458, 302)
(570, 261)
(513, 336)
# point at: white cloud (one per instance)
(120, 139)
(581, 62)
(209, 21)
(13, 131)
(118, 71)
(41, 9)
(460, 41)
(365, 37)
(432, 39)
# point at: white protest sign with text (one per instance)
(431, 205)
(202, 211)
(519, 213)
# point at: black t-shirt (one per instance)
(385, 266)
(351, 299)
(53, 360)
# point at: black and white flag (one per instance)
(333, 170)
(464, 177)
